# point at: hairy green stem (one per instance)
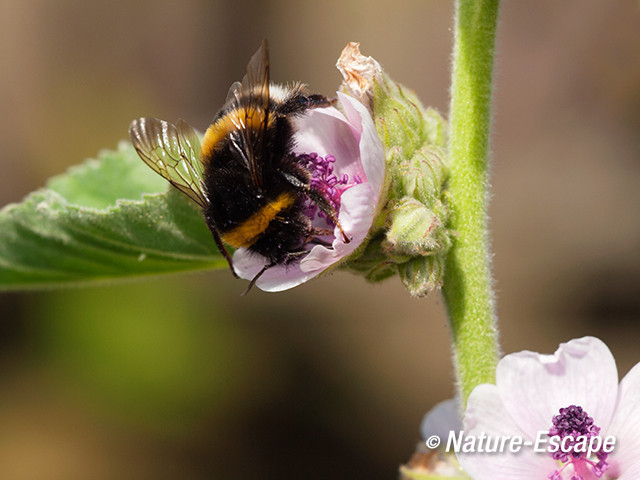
(467, 285)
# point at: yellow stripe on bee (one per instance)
(239, 119)
(245, 234)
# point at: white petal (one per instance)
(441, 420)
(625, 426)
(486, 414)
(371, 150)
(581, 372)
(356, 217)
(631, 473)
(247, 265)
(326, 131)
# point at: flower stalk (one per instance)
(467, 284)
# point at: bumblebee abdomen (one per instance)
(249, 200)
(248, 231)
(284, 239)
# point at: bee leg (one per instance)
(315, 233)
(318, 101)
(319, 199)
(320, 232)
(223, 250)
(323, 204)
(317, 241)
(258, 275)
(298, 103)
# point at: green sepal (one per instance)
(371, 262)
(409, 236)
(432, 465)
(421, 275)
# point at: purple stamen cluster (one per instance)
(574, 422)
(325, 181)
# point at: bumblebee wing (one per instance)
(248, 106)
(173, 151)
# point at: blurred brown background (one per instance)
(180, 377)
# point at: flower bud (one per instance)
(409, 235)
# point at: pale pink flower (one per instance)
(570, 393)
(345, 141)
(441, 420)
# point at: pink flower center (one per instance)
(574, 430)
(324, 180)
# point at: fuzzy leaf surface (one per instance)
(107, 219)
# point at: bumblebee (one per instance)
(252, 188)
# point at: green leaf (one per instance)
(107, 219)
